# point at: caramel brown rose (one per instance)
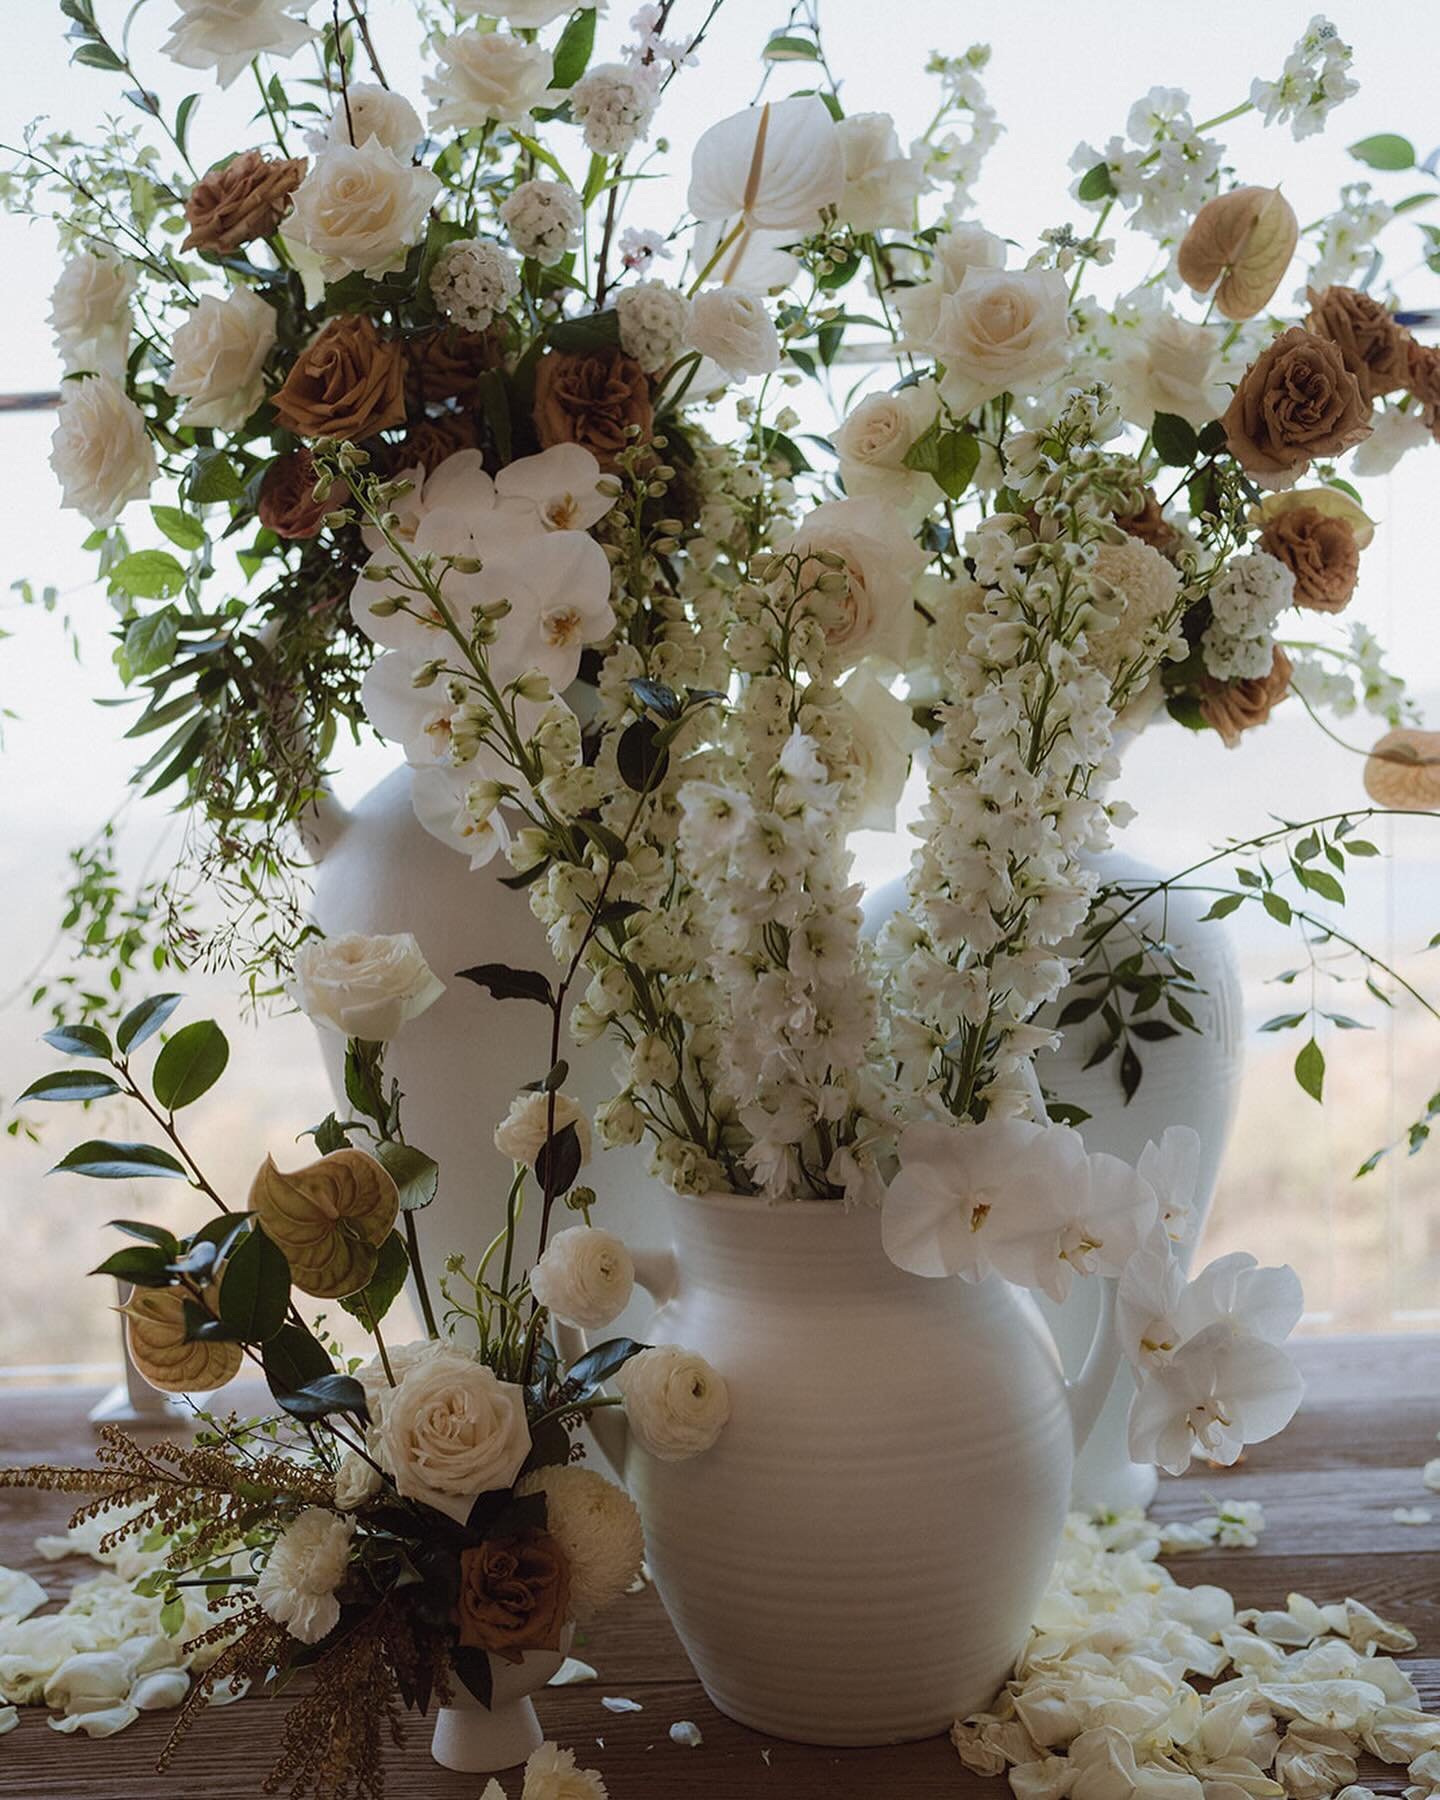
(427, 444)
(448, 364)
(1403, 771)
(1150, 525)
(287, 502)
(591, 400)
(349, 382)
(1422, 377)
(245, 199)
(1320, 551)
(1297, 400)
(1232, 707)
(1372, 344)
(514, 1595)
(1244, 240)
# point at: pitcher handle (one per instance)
(1088, 1391)
(657, 1272)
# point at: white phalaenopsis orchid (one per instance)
(1221, 1390)
(1158, 1312)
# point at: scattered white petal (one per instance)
(160, 1690)
(571, 1671)
(98, 1724)
(9, 1719)
(493, 1790)
(686, 1732)
(616, 1703)
(765, 1758)
(1412, 1515)
(20, 1594)
(1430, 1474)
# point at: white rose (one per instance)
(1001, 332)
(227, 35)
(365, 987)
(219, 359)
(735, 330)
(881, 184)
(874, 614)
(520, 1135)
(485, 76)
(675, 1402)
(361, 207)
(873, 442)
(964, 246)
(374, 112)
(1170, 369)
(100, 450)
(584, 1277)
(297, 1586)
(452, 1430)
(356, 1481)
(883, 738)
(90, 313)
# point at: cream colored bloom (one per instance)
(227, 35)
(90, 312)
(297, 1586)
(100, 450)
(372, 111)
(873, 441)
(1001, 331)
(964, 246)
(521, 1134)
(356, 1481)
(452, 1430)
(676, 1404)
(218, 358)
(1170, 367)
(874, 614)
(584, 1278)
(1148, 587)
(365, 987)
(1327, 500)
(883, 739)
(598, 1527)
(360, 208)
(882, 184)
(486, 77)
(551, 1774)
(773, 166)
(1403, 771)
(734, 329)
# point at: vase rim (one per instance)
(720, 1201)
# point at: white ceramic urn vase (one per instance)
(857, 1560)
(475, 1739)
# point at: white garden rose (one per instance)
(597, 1526)
(883, 739)
(1001, 331)
(585, 1277)
(90, 312)
(485, 77)
(227, 35)
(365, 987)
(734, 329)
(100, 451)
(521, 1134)
(882, 184)
(356, 1481)
(1169, 367)
(965, 246)
(452, 1430)
(676, 1404)
(360, 208)
(297, 1586)
(873, 442)
(874, 614)
(371, 111)
(218, 358)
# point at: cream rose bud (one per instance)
(584, 1277)
(365, 987)
(873, 442)
(881, 184)
(486, 76)
(356, 1481)
(100, 451)
(735, 330)
(218, 358)
(521, 1134)
(374, 112)
(360, 208)
(452, 1430)
(675, 1402)
(873, 612)
(90, 312)
(1001, 331)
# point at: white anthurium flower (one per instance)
(560, 486)
(757, 260)
(558, 586)
(1221, 1390)
(773, 166)
(883, 739)
(227, 35)
(441, 799)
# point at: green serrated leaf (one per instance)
(183, 529)
(147, 575)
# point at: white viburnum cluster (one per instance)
(473, 281)
(613, 104)
(1314, 81)
(543, 219)
(1163, 169)
(1246, 600)
(654, 321)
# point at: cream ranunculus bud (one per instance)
(485, 77)
(584, 1277)
(375, 112)
(90, 312)
(360, 208)
(1244, 240)
(735, 330)
(873, 442)
(452, 1430)
(675, 1402)
(881, 184)
(227, 35)
(218, 358)
(100, 450)
(356, 1481)
(774, 166)
(1001, 331)
(365, 987)
(520, 1135)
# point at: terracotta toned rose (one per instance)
(348, 383)
(1244, 240)
(591, 400)
(1297, 400)
(1320, 551)
(448, 364)
(287, 501)
(1422, 377)
(432, 440)
(246, 199)
(514, 1595)
(1150, 525)
(1232, 707)
(1403, 771)
(1365, 334)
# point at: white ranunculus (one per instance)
(296, 1588)
(100, 451)
(875, 614)
(1169, 368)
(218, 358)
(676, 1404)
(452, 1430)
(772, 166)
(90, 312)
(882, 184)
(227, 35)
(360, 208)
(374, 112)
(873, 441)
(734, 329)
(964, 246)
(356, 1481)
(485, 77)
(597, 1526)
(365, 987)
(585, 1277)
(1001, 331)
(560, 487)
(521, 1134)
(1220, 1391)
(883, 738)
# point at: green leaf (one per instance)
(325, 1394)
(1095, 184)
(1360, 847)
(1322, 882)
(641, 762)
(1284, 1021)
(506, 983)
(150, 642)
(1211, 438)
(78, 1040)
(106, 1161)
(183, 529)
(572, 53)
(172, 1617)
(382, 1290)
(1223, 906)
(1174, 440)
(949, 456)
(415, 1174)
(98, 56)
(147, 575)
(595, 331)
(598, 1365)
(190, 1064)
(183, 114)
(787, 48)
(1386, 150)
(1343, 1022)
(1310, 1070)
(150, 1234)
(558, 1160)
(142, 1265)
(212, 478)
(473, 1668)
(144, 1020)
(292, 1358)
(1277, 906)
(72, 1084)
(255, 1288)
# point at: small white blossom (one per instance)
(1313, 82)
(543, 219)
(613, 103)
(473, 280)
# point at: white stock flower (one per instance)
(218, 357)
(485, 77)
(773, 167)
(584, 1278)
(881, 183)
(371, 111)
(364, 987)
(521, 1134)
(1311, 84)
(297, 1585)
(875, 613)
(964, 246)
(675, 1403)
(360, 208)
(551, 1774)
(356, 1481)
(452, 1430)
(543, 219)
(873, 441)
(227, 35)
(473, 279)
(654, 321)
(597, 1526)
(613, 104)
(1220, 1391)
(883, 739)
(90, 312)
(1001, 331)
(99, 450)
(734, 329)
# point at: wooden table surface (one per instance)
(1329, 1486)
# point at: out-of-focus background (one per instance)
(1369, 1252)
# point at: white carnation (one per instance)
(520, 1135)
(99, 450)
(597, 1526)
(551, 1774)
(371, 111)
(361, 207)
(218, 357)
(654, 321)
(365, 987)
(585, 1277)
(487, 76)
(452, 1430)
(614, 104)
(90, 312)
(472, 281)
(543, 219)
(227, 35)
(735, 330)
(676, 1404)
(297, 1586)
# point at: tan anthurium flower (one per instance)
(1403, 771)
(330, 1218)
(1244, 240)
(155, 1328)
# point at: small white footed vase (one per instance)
(475, 1739)
(858, 1558)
